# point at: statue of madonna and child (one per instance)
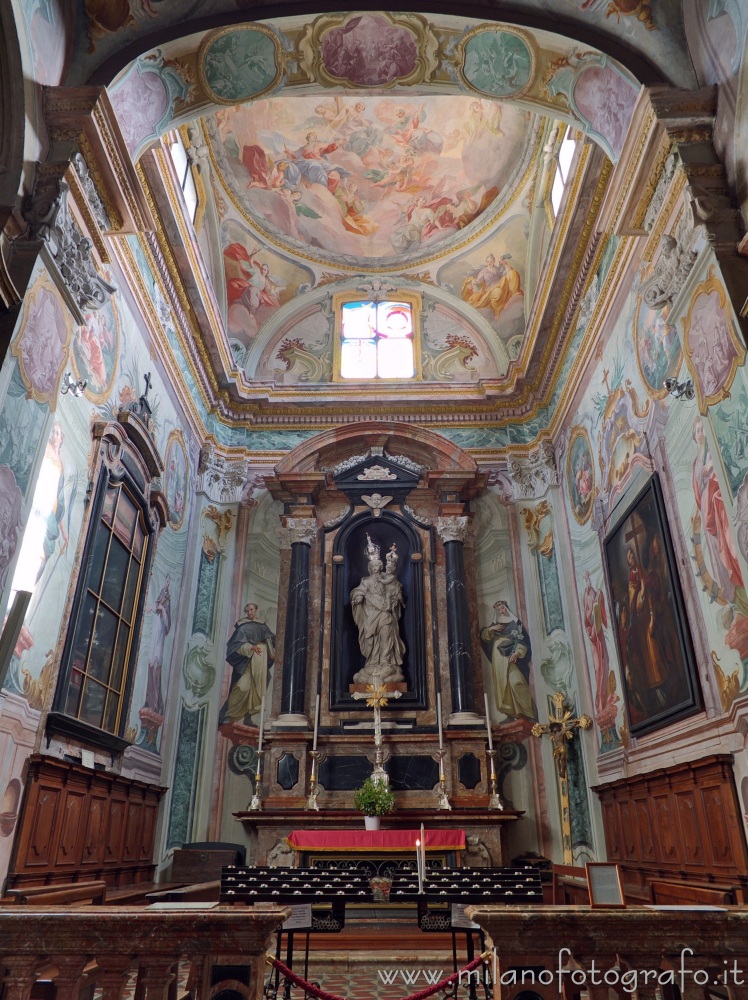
(377, 604)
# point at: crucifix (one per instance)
(560, 727)
(376, 698)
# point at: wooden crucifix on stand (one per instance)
(376, 698)
(561, 727)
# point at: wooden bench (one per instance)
(687, 894)
(60, 894)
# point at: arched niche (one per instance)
(349, 566)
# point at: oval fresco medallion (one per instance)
(236, 64)
(383, 178)
(96, 350)
(176, 474)
(658, 348)
(42, 346)
(713, 351)
(497, 62)
(580, 474)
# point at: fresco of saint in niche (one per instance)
(370, 176)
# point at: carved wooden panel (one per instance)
(115, 828)
(668, 848)
(133, 829)
(39, 845)
(682, 822)
(647, 850)
(688, 826)
(78, 823)
(72, 814)
(93, 843)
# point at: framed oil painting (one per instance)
(651, 629)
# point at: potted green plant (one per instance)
(374, 799)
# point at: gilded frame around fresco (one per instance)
(652, 636)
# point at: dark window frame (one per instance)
(58, 721)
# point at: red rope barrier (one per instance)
(320, 994)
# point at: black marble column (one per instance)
(452, 531)
(297, 619)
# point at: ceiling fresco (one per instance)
(372, 180)
(377, 151)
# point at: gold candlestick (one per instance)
(256, 804)
(494, 801)
(443, 800)
(311, 802)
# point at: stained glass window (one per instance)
(377, 340)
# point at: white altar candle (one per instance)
(439, 718)
(262, 724)
(423, 853)
(418, 866)
(488, 722)
(316, 723)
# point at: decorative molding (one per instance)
(531, 477)
(663, 184)
(335, 521)
(376, 473)
(220, 479)
(376, 501)
(345, 465)
(303, 530)
(68, 250)
(452, 529)
(671, 271)
(407, 463)
(425, 521)
(100, 213)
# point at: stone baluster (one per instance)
(69, 976)
(113, 975)
(155, 977)
(20, 975)
(303, 531)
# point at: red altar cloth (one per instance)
(375, 840)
